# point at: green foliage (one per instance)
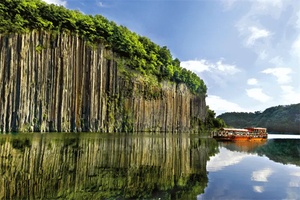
(239, 119)
(276, 119)
(143, 55)
(39, 48)
(211, 121)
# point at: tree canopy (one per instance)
(211, 121)
(143, 55)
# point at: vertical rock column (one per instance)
(57, 82)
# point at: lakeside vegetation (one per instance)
(139, 52)
(284, 119)
(211, 121)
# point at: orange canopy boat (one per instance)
(237, 134)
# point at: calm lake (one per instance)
(147, 166)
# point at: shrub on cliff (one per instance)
(142, 54)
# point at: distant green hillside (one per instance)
(275, 119)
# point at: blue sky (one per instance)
(246, 51)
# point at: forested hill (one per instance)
(275, 119)
(142, 55)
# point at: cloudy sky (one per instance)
(246, 51)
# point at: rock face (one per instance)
(59, 82)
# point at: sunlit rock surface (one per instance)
(58, 82)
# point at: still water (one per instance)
(255, 170)
(146, 166)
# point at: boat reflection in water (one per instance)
(243, 146)
(103, 166)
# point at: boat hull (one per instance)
(258, 138)
(239, 138)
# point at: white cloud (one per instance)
(252, 81)
(258, 189)
(265, 4)
(282, 74)
(297, 24)
(297, 174)
(255, 34)
(220, 105)
(258, 94)
(101, 4)
(57, 2)
(219, 72)
(272, 8)
(294, 183)
(262, 55)
(228, 4)
(289, 95)
(250, 25)
(295, 179)
(277, 60)
(257, 4)
(204, 65)
(226, 68)
(225, 158)
(197, 65)
(295, 51)
(262, 175)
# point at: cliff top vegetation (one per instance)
(141, 54)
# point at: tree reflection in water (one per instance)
(285, 151)
(97, 166)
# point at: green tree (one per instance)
(211, 121)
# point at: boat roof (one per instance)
(234, 129)
(259, 128)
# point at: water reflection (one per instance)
(268, 170)
(261, 175)
(244, 146)
(93, 166)
(285, 151)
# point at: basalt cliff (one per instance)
(57, 82)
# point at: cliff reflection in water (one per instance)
(103, 166)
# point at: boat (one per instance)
(241, 134)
